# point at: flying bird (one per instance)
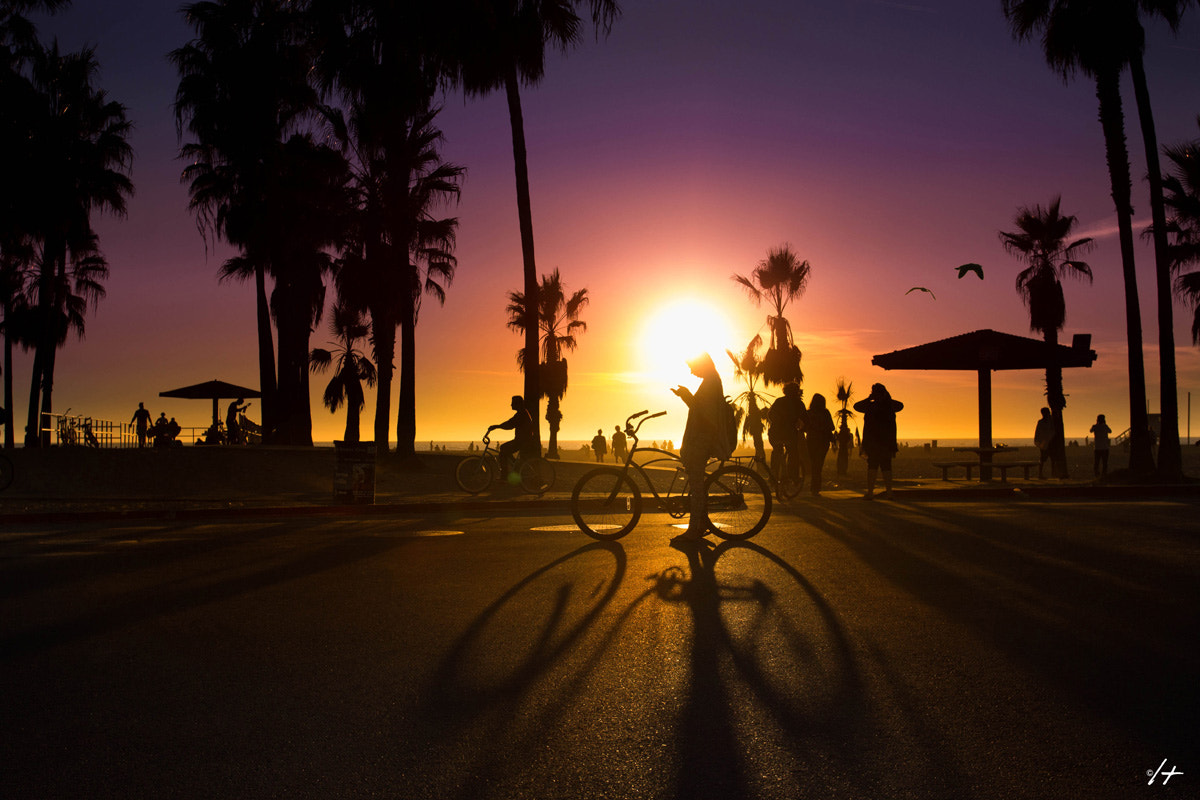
(965, 268)
(921, 289)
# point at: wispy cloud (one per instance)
(1106, 230)
(906, 6)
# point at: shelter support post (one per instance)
(985, 424)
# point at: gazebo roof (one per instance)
(990, 350)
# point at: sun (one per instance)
(676, 333)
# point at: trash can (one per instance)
(354, 473)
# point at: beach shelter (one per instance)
(212, 390)
(984, 352)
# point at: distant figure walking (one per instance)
(599, 444)
(620, 447)
(141, 421)
(521, 424)
(233, 431)
(819, 434)
(879, 436)
(1042, 434)
(703, 436)
(783, 433)
(1100, 457)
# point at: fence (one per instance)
(77, 430)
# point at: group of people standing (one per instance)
(620, 445)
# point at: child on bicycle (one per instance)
(521, 424)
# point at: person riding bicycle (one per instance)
(521, 424)
(703, 436)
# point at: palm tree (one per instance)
(778, 279)
(1041, 242)
(502, 45)
(558, 322)
(352, 369)
(845, 393)
(748, 367)
(79, 146)
(1182, 187)
(243, 90)
(1076, 37)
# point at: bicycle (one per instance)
(786, 487)
(607, 503)
(7, 472)
(475, 474)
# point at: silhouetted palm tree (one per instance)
(1182, 187)
(352, 368)
(81, 152)
(243, 90)
(558, 323)
(748, 367)
(844, 394)
(778, 279)
(1075, 36)
(502, 45)
(1041, 242)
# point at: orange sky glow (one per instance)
(887, 143)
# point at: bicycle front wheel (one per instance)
(606, 504)
(537, 475)
(737, 502)
(474, 474)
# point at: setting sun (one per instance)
(679, 331)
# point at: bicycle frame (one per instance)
(631, 431)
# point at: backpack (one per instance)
(727, 434)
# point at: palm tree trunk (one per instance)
(553, 415)
(48, 388)
(533, 385)
(1057, 401)
(33, 436)
(383, 341)
(1112, 120)
(1170, 458)
(9, 436)
(266, 358)
(406, 406)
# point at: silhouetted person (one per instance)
(141, 421)
(521, 424)
(173, 431)
(784, 435)
(599, 445)
(1100, 457)
(702, 436)
(879, 436)
(620, 447)
(818, 433)
(233, 431)
(159, 431)
(845, 443)
(1043, 432)
(754, 427)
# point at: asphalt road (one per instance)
(851, 650)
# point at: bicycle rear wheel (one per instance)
(537, 475)
(737, 502)
(6, 473)
(606, 504)
(474, 474)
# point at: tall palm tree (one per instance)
(1075, 37)
(502, 45)
(844, 394)
(243, 90)
(1182, 189)
(352, 368)
(377, 58)
(778, 279)
(1041, 241)
(80, 146)
(1170, 457)
(748, 367)
(558, 324)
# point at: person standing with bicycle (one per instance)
(704, 437)
(521, 424)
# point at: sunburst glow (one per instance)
(679, 331)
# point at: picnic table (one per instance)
(983, 460)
